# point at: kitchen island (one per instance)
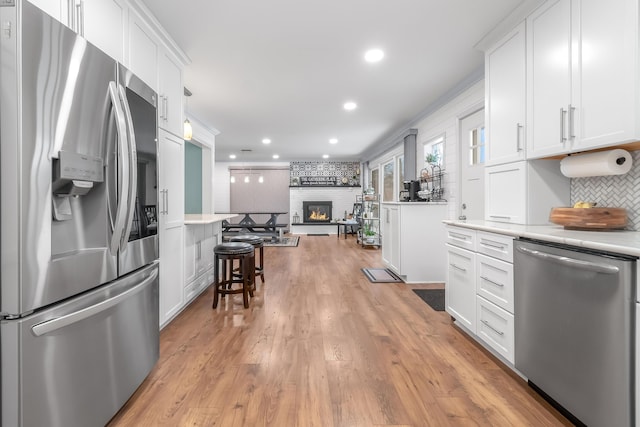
(202, 233)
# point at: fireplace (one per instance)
(316, 212)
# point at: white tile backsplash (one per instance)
(620, 191)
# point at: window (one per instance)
(387, 182)
(476, 146)
(400, 174)
(374, 181)
(434, 151)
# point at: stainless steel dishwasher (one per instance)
(574, 328)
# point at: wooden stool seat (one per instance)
(257, 243)
(227, 253)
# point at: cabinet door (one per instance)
(171, 177)
(460, 288)
(606, 73)
(391, 237)
(143, 51)
(53, 8)
(506, 87)
(103, 24)
(171, 275)
(209, 240)
(171, 94)
(549, 79)
(191, 238)
(506, 193)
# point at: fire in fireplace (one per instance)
(317, 211)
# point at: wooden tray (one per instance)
(589, 218)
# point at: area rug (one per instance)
(433, 297)
(284, 242)
(381, 275)
(317, 234)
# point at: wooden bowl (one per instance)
(589, 218)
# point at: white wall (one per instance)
(443, 121)
(221, 194)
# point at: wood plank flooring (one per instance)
(322, 346)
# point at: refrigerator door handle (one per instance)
(570, 262)
(123, 178)
(133, 165)
(60, 322)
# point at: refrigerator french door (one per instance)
(78, 242)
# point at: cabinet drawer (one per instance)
(495, 281)
(495, 245)
(495, 327)
(461, 237)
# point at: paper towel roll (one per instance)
(613, 162)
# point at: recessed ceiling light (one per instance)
(350, 105)
(373, 55)
(232, 156)
(266, 141)
(333, 141)
(325, 156)
(275, 156)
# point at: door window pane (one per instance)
(476, 146)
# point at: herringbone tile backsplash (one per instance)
(620, 191)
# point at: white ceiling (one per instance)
(282, 69)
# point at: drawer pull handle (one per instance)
(492, 281)
(458, 236)
(458, 268)
(500, 216)
(488, 325)
(492, 245)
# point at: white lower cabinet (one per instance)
(460, 289)
(495, 327)
(200, 239)
(408, 230)
(479, 288)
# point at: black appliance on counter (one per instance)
(410, 192)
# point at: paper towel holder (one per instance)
(596, 163)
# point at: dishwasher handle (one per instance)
(571, 262)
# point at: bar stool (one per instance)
(227, 253)
(257, 243)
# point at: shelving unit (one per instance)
(369, 231)
(431, 184)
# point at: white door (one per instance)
(472, 150)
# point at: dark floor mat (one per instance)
(317, 234)
(433, 297)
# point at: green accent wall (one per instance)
(192, 178)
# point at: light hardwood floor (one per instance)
(322, 346)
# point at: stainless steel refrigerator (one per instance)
(78, 234)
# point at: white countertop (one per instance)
(191, 219)
(415, 203)
(618, 241)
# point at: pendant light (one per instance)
(188, 129)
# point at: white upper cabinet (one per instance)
(505, 84)
(143, 51)
(171, 93)
(55, 8)
(582, 76)
(103, 23)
